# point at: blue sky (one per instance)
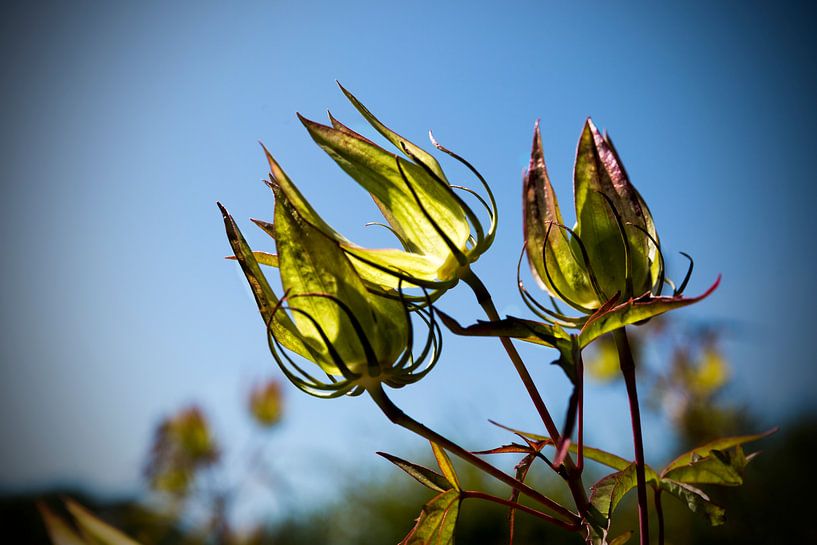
(123, 124)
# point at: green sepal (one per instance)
(397, 140)
(553, 260)
(602, 192)
(312, 263)
(282, 327)
(370, 263)
(609, 318)
(376, 171)
(437, 521)
(425, 476)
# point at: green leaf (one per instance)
(718, 444)
(445, 465)
(552, 258)
(376, 171)
(437, 520)
(632, 311)
(608, 492)
(99, 532)
(696, 500)
(722, 467)
(603, 457)
(423, 475)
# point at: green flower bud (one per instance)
(440, 234)
(327, 315)
(613, 250)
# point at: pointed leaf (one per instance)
(437, 520)
(718, 444)
(598, 455)
(608, 492)
(517, 328)
(722, 467)
(100, 532)
(423, 475)
(696, 500)
(633, 311)
(513, 448)
(445, 465)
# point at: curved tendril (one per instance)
(357, 390)
(371, 358)
(478, 197)
(628, 253)
(308, 384)
(668, 281)
(433, 343)
(435, 336)
(489, 238)
(271, 336)
(684, 283)
(530, 301)
(561, 295)
(469, 212)
(586, 258)
(458, 255)
(406, 356)
(347, 373)
(317, 388)
(659, 282)
(391, 229)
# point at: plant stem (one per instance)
(513, 505)
(484, 299)
(660, 512)
(397, 416)
(625, 357)
(573, 474)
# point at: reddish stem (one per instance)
(513, 505)
(625, 356)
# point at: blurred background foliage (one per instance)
(684, 376)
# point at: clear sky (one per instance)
(122, 124)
